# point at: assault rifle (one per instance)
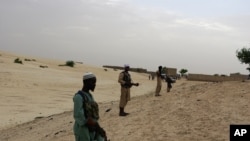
(131, 84)
(101, 132)
(98, 130)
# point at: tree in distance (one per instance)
(244, 56)
(183, 71)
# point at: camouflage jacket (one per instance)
(90, 107)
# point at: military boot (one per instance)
(122, 113)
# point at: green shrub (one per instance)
(41, 66)
(27, 59)
(70, 63)
(17, 60)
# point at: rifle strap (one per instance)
(84, 99)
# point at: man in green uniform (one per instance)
(86, 113)
(126, 83)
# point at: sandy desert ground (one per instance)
(36, 104)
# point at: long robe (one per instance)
(81, 131)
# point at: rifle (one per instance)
(131, 84)
(135, 84)
(100, 131)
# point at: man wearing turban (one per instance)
(86, 112)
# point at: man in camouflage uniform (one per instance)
(126, 83)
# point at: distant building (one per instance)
(238, 75)
(171, 72)
(217, 78)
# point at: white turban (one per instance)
(88, 75)
(126, 65)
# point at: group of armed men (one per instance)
(86, 111)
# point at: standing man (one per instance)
(86, 112)
(126, 83)
(169, 83)
(159, 81)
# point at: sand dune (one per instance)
(36, 104)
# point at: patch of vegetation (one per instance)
(17, 60)
(41, 66)
(29, 59)
(69, 63)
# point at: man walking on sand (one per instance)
(159, 81)
(126, 83)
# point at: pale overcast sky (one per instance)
(199, 35)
